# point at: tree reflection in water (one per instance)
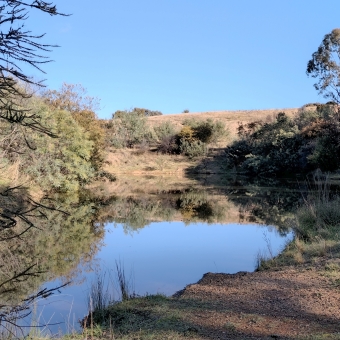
(57, 236)
(240, 201)
(39, 241)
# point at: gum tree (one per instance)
(325, 66)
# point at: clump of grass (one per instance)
(98, 300)
(125, 285)
(230, 326)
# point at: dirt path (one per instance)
(292, 303)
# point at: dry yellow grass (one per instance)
(230, 118)
(123, 161)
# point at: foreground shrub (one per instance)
(73, 98)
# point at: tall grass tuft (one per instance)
(125, 286)
(99, 297)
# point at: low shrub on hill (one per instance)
(195, 136)
(127, 129)
(138, 111)
(208, 131)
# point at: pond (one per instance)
(163, 258)
(162, 239)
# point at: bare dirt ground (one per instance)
(292, 303)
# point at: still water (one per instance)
(163, 258)
(164, 239)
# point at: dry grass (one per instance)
(123, 161)
(230, 118)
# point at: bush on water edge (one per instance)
(316, 228)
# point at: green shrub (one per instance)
(208, 131)
(73, 98)
(61, 163)
(194, 148)
(325, 136)
(127, 129)
(195, 136)
(267, 148)
(165, 129)
(203, 132)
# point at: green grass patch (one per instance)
(149, 317)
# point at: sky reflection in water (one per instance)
(163, 258)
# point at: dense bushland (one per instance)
(61, 148)
(309, 141)
(131, 129)
(192, 140)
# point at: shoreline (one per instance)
(293, 302)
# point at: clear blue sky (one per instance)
(201, 55)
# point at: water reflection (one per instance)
(40, 241)
(61, 238)
(166, 256)
(241, 203)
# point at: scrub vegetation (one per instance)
(302, 144)
(316, 225)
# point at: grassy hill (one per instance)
(125, 162)
(230, 118)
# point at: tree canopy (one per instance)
(325, 65)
